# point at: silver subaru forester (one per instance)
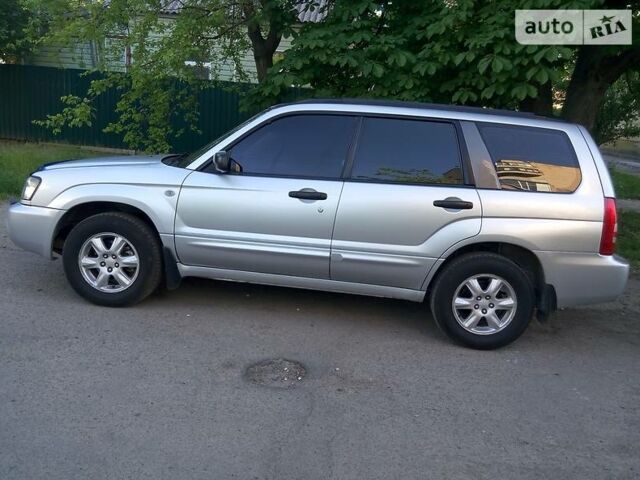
(489, 214)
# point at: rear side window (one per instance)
(532, 159)
(298, 145)
(407, 151)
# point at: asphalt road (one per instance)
(159, 390)
(628, 164)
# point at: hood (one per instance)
(119, 161)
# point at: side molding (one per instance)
(307, 283)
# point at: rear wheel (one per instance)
(113, 259)
(482, 300)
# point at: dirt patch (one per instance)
(277, 373)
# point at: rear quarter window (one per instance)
(532, 159)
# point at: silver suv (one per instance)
(491, 215)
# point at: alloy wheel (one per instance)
(484, 304)
(109, 262)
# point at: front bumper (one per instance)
(584, 278)
(32, 228)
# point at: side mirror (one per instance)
(222, 161)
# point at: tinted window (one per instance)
(300, 145)
(407, 151)
(534, 159)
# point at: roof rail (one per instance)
(420, 105)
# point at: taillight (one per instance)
(609, 227)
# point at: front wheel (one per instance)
(482, 300)
(113, 259)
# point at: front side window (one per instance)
(532, 159)
(297, 146)
(408, 151)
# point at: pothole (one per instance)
(276, 372)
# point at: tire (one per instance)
(138, 250)
(508, 310)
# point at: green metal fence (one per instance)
(30, 93)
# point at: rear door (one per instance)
(405, 202)
(277, 215)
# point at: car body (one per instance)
(362, 197)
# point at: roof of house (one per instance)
(312, 11)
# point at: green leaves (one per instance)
(398, 58)
(464, 96)
(457, 60)
(618, 115)
(484, 64)
(168, 56)
(77, 112)
(377, 70)
(18, 19)
(523, 91)
(488, 92)
(497, 64)
(540, 74)
(425, 68)
(462, 52)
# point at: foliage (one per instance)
(15, 18)
(445, 51)
(451, 52)
(76, 113)
(619, 115)
(18, 160)
(157, 86)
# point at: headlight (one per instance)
(30, 187)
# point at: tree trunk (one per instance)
(542, 104)
(584, 99)
(594, 73)
(264, 61)
(263, 48)
(587, 88)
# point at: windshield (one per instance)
(186, 159)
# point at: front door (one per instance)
(405, 203)
(277, 215)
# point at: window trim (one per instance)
(230, 145)
(567, 138)
(464, 161)
(353, 148)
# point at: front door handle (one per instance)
(308, 195)
(453, 204)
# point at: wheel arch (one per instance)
(85, 210)
(523, 257)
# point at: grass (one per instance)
(629, 236)
(626, 185)
(18, 160)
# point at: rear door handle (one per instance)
(453, 204)
(308, 195)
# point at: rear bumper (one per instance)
(584, 278)
(32, 228)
